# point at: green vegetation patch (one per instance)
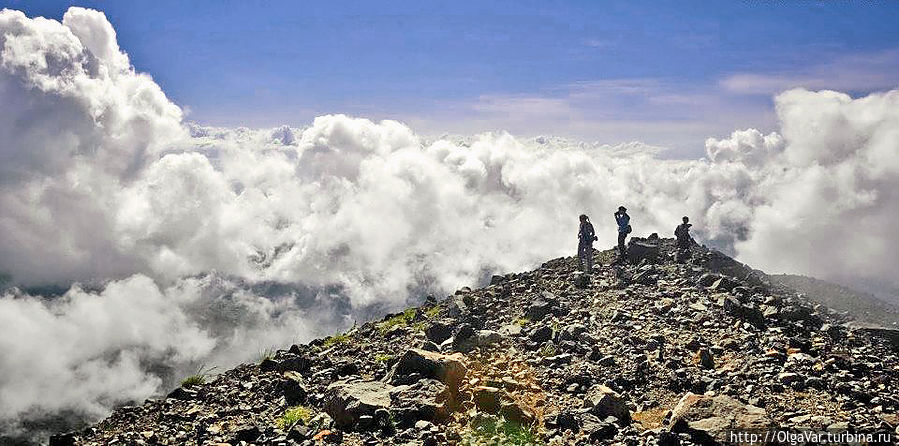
(198, 378)
(401, 320)
(432, 312)
(548, 350)
(293, 416)
(336, 340)
(499, 431)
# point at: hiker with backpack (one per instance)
(585, 237)
(682, 233)
(624, 228)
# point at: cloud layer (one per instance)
(101, 179)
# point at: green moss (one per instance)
(400, 320)
(193, 380)
(500, 431)
(383, 357)
(522, 321)
(548, 350)
(198, 378)
(337, 339)
(293, 416)
(432, 312)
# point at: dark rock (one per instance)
(541, 334)
(448, 369)
(704, 358)
(638, 251)
(299, 364)
(438, 332)
(430, 346)
(347, 401)
(463, 341)
(426, 399)
(724, 284)
(268, 365)
(597, 430)
(889, 334)
(541, 307)
(298, 433)
(294, 388)
(247, 432)
(182, 394)
(514, 412)
(581, 280)
(487, 399)
(707, 279)
(603, 401)
(69, 439)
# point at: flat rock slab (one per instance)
(710, 418)
(346, 401)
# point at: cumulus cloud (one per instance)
(175, 228)
(86, 351)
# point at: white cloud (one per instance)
(857, 72)
(102, 180)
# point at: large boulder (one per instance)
(546, 303)
(478, 339)
(438, 332)
(638, 250)
(293, 387)
(417, 364)
(347, 402)
(427, 399)
(708, 418)
(604, 402)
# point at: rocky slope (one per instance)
(641, 352)
(864, 307)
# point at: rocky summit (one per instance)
(642, 350)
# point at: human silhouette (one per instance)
(682, 233)
(585, 238)
(624, 228)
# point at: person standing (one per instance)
(624, 228)
(682, 233)
(585, 238)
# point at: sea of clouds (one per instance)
(182, 245)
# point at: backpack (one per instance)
(628, 229)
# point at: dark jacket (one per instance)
(683, 233)
(623, 221)
(586, 233)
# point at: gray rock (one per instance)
(448, 369)
(426, 399)
(638, 251)
(710, 418)
(347, 401)
(603, 402)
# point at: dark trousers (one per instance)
(683, 250)
(622, 249)
(585, 256)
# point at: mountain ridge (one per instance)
(646, 350)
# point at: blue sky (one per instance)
(666, 73)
